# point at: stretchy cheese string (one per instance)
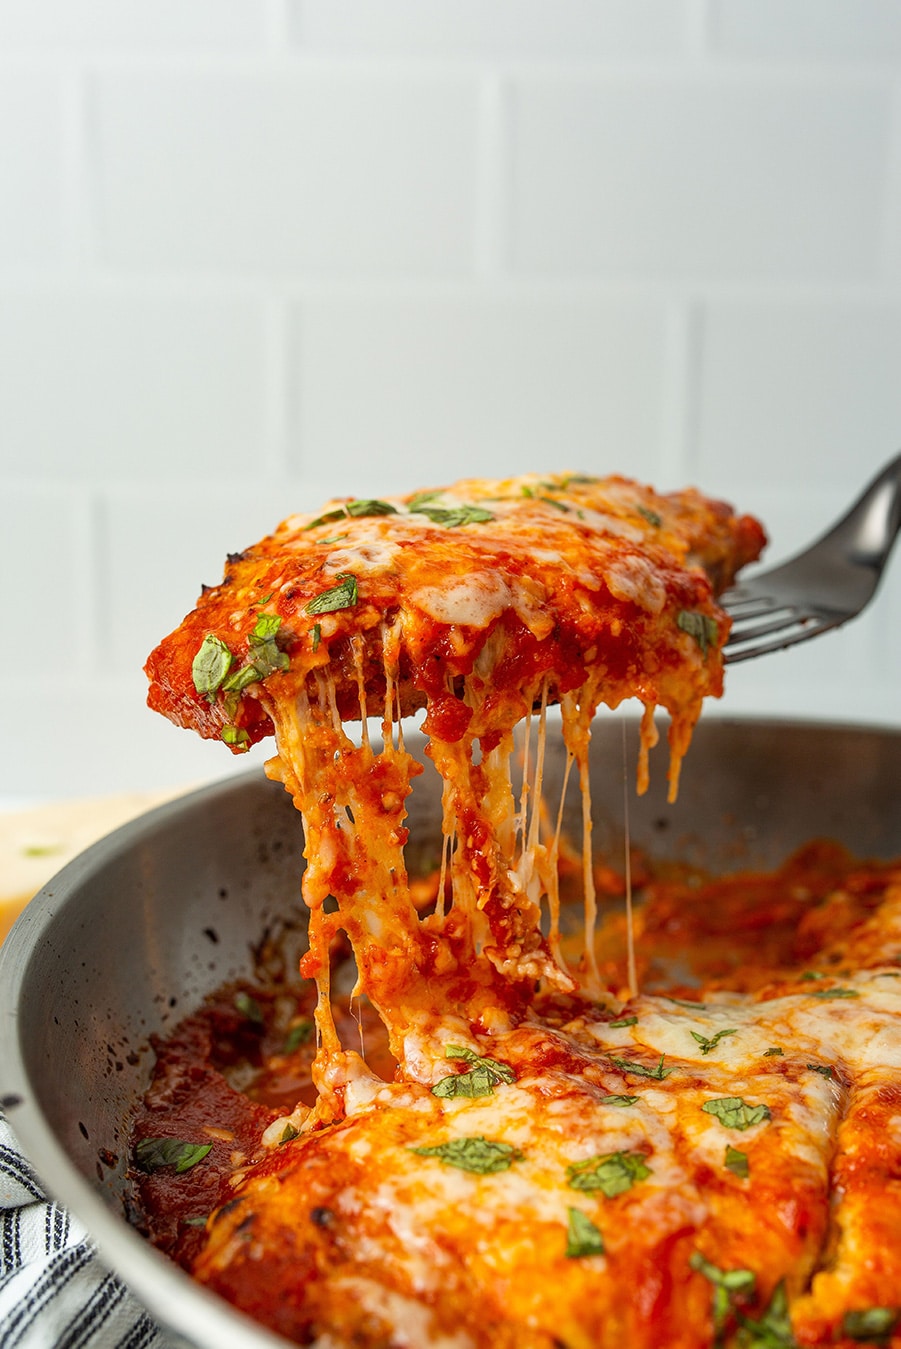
(495, 867)
(627, 866)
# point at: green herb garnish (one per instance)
(482, 1078)
(812, 974)
(659, 1073)
(582, 1237)
(288, 1134)
(483, 1156)
(299, 1034)
(734, 1113)
(558, 505)
(368, 506)
(686, 1002)
(623, 1022)
(317, 635)
(737, 1162)
(453, 516)
(340, 596)
(726, 1282)
(707, 1045)
(869, 1323)
(267, 625)
(701, 627)
(835, 993)
(651, 516)
(423, 498)
(618, 1100)
(249, 1008)
(328, 518)
(235, 735)
(822, 1068)
(612, 1173)
(773, 1330)
(153, 1153)
(772, 1052)
(211, 664)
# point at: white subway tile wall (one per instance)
(256, 254)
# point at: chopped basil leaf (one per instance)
(836, 993)
(612, 1173)
(482, 1078)
(299, 1034)
(527, 491)
(211, 664)
(737, 1162)
(686, 1002)
(725, 1282)
(651, 516)
(477, 1082)
(582, 1237)
(328, 518)
(367, 506)
(618, 1100)
(267, 625)
(734, 1113)
(340, 596)
(812, 974)
(249, 1008)
(558, 505)
(153, 1153)
(707, 1045)
(701, 627)
(317, 635)
(265, 657)
(659, 1073)
(773, 1330)
(454, 516)
(334, 538)
(735, 1280)
(235, 735)
(483, 1156)
(239, 679)
(822, 1068)
(623, 1022)
(200, 1221)
(422, 498)
(773, 1051)
(870, 1323)
(288, 1134)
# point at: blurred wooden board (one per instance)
(37, 843)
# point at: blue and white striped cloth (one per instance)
(54, 1292)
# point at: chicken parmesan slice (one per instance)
(482, 603)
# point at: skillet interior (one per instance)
(133, 934)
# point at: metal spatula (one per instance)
(821, 588)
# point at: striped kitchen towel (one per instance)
(54, 1292)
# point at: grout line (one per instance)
(889, 254)
(75, 204)
(276, 26)
(91, 540)
(491, 234)
(677, 376)
(694, 356)
(757, 293)
(699, 31)
(277, 377)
